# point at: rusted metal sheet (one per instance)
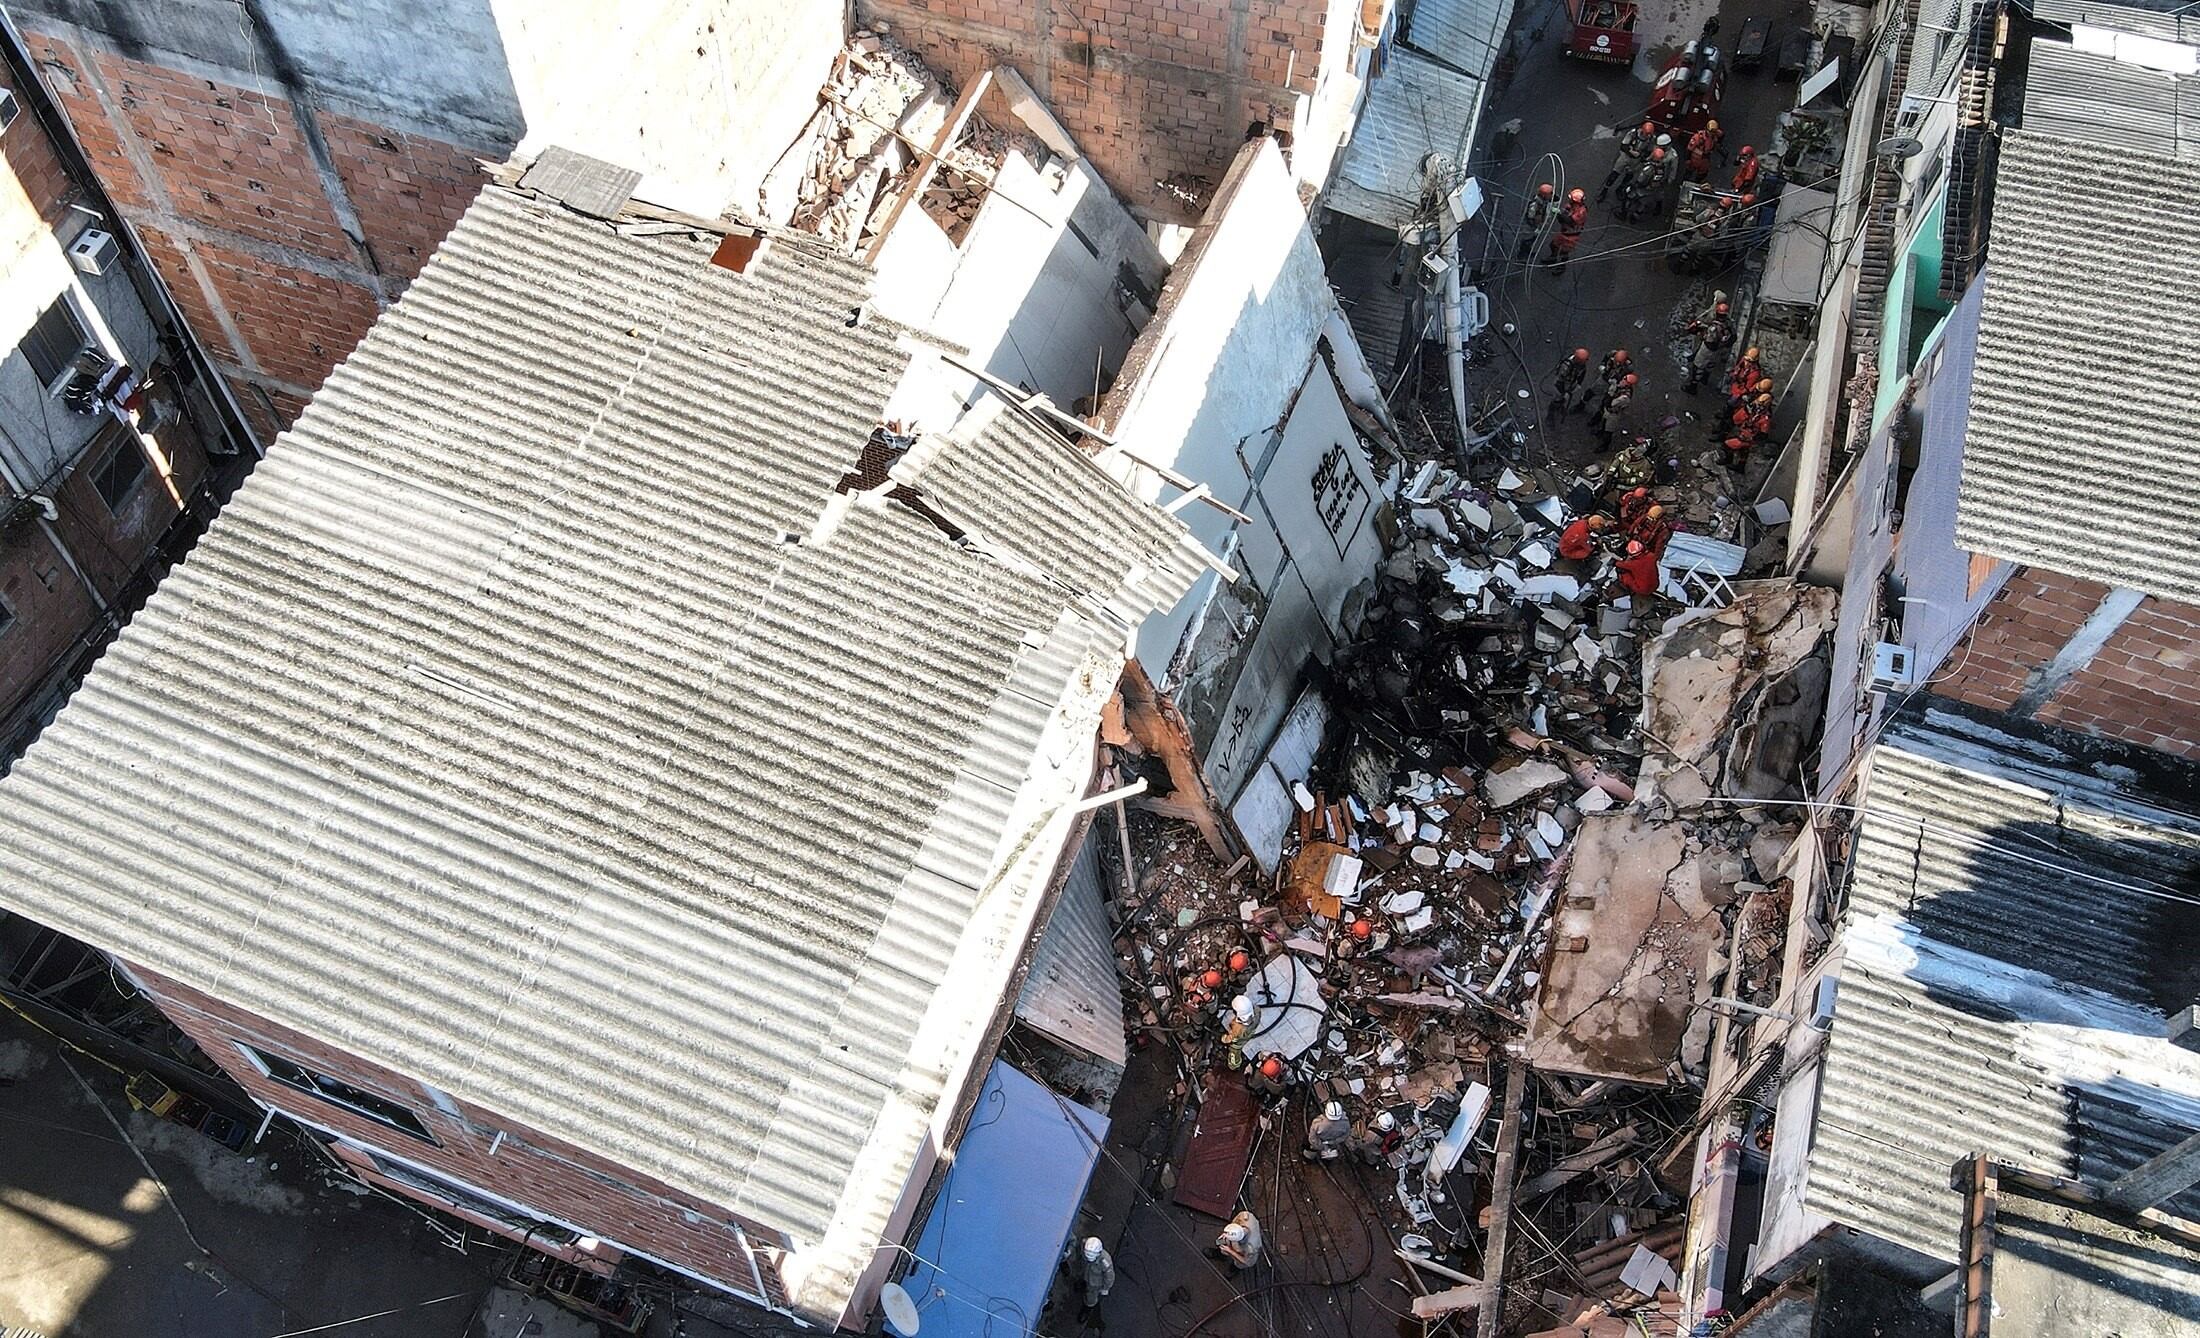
(1222, 1144)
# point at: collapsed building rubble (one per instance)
(1495, 882)
(878, 119)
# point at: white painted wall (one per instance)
(700, 96)
(1032, 292)
(38, 435)
(1231, 387)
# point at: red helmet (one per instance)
(1544, 190)
(1619, 355)
(1749, 199)
(1721, 308)
(1657, 155)
(1576, 195)
(1748, 152)
(1271, 1067)
(1581, 355)
(1629, 379)
(1734, 443)
(1634, 547)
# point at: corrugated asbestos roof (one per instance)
(2080, 95)
(2016, 925)
(1464, 34)
(1415, 107)
(2084, 407)
(496, 733)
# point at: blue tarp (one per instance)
(996, 1233)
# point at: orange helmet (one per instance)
(1649, 127)
(1361, 929)
(1211, 978)
(1581, 355)
(1762, 400)
(1619, 355)
(1576, 195)
(1763, 385)
(1657, 155)
(1654, 512)
(1544, 190)
(1239, 960)
(1721, 308)
(1599, 522)
(1271, 1067)
(1629, 379)
(1751, 354)
(1749, 199)
(1711, 125)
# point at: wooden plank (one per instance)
(1221, 1146)
(1501, 1202)
(1447, 1302)
(941, 143)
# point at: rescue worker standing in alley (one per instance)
(1743, 377)
(1237, 1028)
(1097, 1276)
(1533, 220)
(1634, 146)
(1608, 414)
(1746, 170)
(1647, 194)
(1616, 364)
(1567, 384)
(1328, 1134)
(1240, 1241)
(1572, 218)
(1714, 333)
(1698, 166)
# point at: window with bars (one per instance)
(53, 342)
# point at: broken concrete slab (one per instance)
(1503, 789)
(1633, 897)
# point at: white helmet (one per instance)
(1665, 141)
(1243, 1008)
(1092, 1247)
(1334, 1110)
(1234, 1232)
(1386, 1121)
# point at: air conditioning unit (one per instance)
(9, 108)
(1892, 670)
(94, 251)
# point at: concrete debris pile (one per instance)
(877, 117)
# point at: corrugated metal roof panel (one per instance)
(2081, 96)
(1073, 992)
(496, 734)
(1464, 34)
(1414, 108)
(2083, 409)
(2012, 920)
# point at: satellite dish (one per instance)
(901, 1312)
(1900, 146)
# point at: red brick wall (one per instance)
(112, 546)
(1153, 90)
(546, 1174)
(38, 168)
(2141, 687)
(222, 186)
(52, 612)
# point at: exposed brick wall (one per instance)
(222, 187)
(299, 324)
(39, 169)
(1155, 91)
(112, 546)
(2141, 687)
(52, 613)
(546, 1174)
(407, 190)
